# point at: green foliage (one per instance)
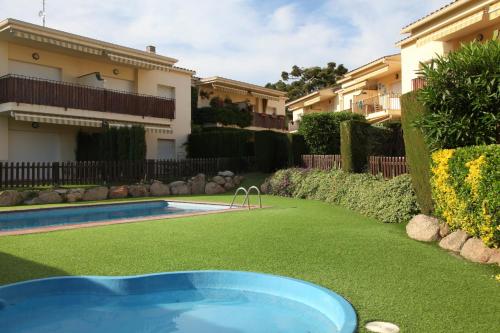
(223, 112)
(298, 147)
(306, 80)
(389, 201)
(463, 96)
(418, 155)
(465, 187)
(353, 145)
(220, 142)
(125, 143)
(194, 100)
(322, 130)
(272, 150)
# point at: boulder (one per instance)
(454, 241)
(219, 180)
(237, 180)
(49, 197)
(11, 198)
(27, 195)
(229, 185)
(138, 190)
(158, 189)
(61, 191)
(495, 257)
(75, 195)
(444, 230)
(96, 193)
(33, 201)
(213, 188)
(423, 228)
(226, 173)
(198, 184)
(475, 250)
(118, 192)
(179, 188)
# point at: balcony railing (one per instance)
(377, 103)
(22, 89)
(293, 125)
(268, 121)
(417, 83)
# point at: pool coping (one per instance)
(119, 221)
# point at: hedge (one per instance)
(220, 142)
(389, 201)
(125, 143)
(298, 148)
(466, 187)
(322, 130)
(418, 155)
(358, 140)
(272, 150)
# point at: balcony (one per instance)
(21, 89)
(417, 83)
(377, 106)
(263, 120)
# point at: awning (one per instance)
(230, 90)
(136, 62)
(272, 98)
(56, 42)
(60, 120)
(147, 128)
(454, 27)
(494, 11)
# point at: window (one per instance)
(165, 149)
(166, 91)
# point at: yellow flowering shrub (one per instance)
(466, 190)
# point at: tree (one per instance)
(302, 81)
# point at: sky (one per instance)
(247, 40)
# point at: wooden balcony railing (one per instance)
(377, 103)
(22, 89)
(417, 83)
(268, 121)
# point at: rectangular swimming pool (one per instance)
(80, 215)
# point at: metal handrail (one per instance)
(248, 196)
(236, 193)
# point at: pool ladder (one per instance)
(247, 196)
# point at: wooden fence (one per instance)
(387, 166)
(26, 174)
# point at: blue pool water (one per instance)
(183, 302)
(75, 215)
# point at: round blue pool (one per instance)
(182, 302)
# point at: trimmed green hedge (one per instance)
(466, 188)
(322, 130)
(220, 142)
(353, 145)
(125, 143)
(272, 150)
(389, 201)
(298, 147)
(418, 155)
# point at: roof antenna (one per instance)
(42, 14)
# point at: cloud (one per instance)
(249, 40)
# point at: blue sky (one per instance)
(248, 40)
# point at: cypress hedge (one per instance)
(298, 148)
(353, 145)
(272, 150)
(220, 142)
(418, 154)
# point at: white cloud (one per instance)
(241, 39)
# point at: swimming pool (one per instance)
(91, 214)
(180, 302)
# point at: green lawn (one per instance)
(384, 274)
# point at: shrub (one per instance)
(418, 154)
(463, 96)
(322, 130)
(272, 150)
(220, 142)
(353, 145)
(390, 201)
(465, 186)
(223, 112)
(298, 148)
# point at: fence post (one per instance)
(55, 173)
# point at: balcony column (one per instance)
(4, 138)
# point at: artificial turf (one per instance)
(383, 273)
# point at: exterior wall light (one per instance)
(35, 56)
(116, 71)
